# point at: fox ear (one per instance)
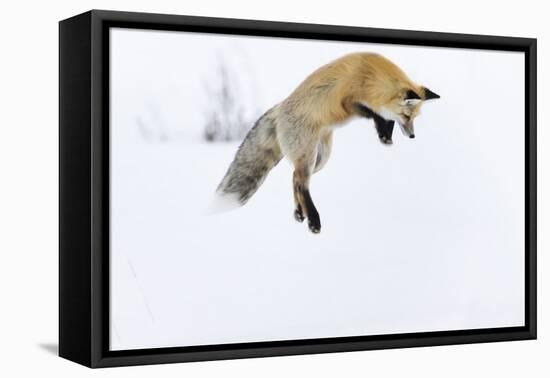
(429, 95)
(411, 95)
(411, 98)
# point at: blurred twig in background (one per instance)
(225, 115)
(231, 107)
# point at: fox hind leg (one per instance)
(302, 197)
(324, 148)
(321, 157)
(299, 142)
(298, 211)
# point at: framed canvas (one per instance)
(236, 188)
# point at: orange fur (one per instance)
(326, 96)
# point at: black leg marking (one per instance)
(384, 128)
(299, 214)
(313, 218)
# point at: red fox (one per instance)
(300, 127)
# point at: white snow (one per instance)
(424, 235)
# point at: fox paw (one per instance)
(385, 140)
(298, 215)
(314, 224)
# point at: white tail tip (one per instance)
(223, 202)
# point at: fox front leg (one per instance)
(302, 197)
(384, 129)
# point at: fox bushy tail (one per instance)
(257, 155)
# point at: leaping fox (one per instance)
(300, 127)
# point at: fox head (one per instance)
(404, 107)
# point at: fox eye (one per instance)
(407, 118)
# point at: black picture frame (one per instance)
(84, 188)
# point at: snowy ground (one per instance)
(424, 235)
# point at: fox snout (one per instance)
(407, 129)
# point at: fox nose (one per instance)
(411, 136)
